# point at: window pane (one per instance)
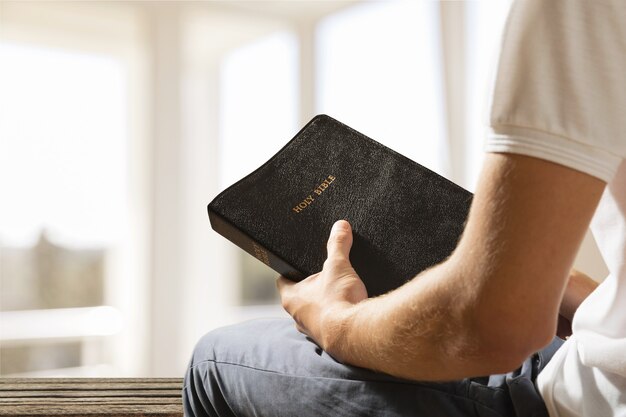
(379, 71)
(63, 147)
(258, 108)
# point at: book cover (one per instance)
(405, 217)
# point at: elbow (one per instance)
(503, 358)
(505, 342)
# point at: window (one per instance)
(70, 255)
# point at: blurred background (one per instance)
(120, 121)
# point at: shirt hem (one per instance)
(558, 149)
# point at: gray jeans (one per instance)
(268, 368)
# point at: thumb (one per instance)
(340, 240)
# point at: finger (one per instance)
(340, 240)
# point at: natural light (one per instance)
(63, 156)
(258, 109)
(379, 71)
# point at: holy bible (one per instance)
(405, 217)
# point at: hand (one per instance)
(320, 303)
(563, 327)
(579, 286)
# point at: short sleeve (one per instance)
(560, 89)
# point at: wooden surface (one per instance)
(107, 397)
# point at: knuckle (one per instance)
(340, 237)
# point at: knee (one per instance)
(199, 390)
(203, 392)
(205, 348)
(235, 343)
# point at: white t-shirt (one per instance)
(560, 95)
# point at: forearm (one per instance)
(423, 331)
(429, 330)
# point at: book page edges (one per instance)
(241, 239)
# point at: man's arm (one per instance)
(485, 309)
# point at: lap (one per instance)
(268, 368)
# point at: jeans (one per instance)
(268, 368)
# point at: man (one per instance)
(558, 138)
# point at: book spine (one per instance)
(227, 229)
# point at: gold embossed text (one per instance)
(260, 254)
(308, 200)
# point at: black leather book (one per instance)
(405, 217)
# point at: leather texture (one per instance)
(405, 217)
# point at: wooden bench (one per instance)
(108, 397)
